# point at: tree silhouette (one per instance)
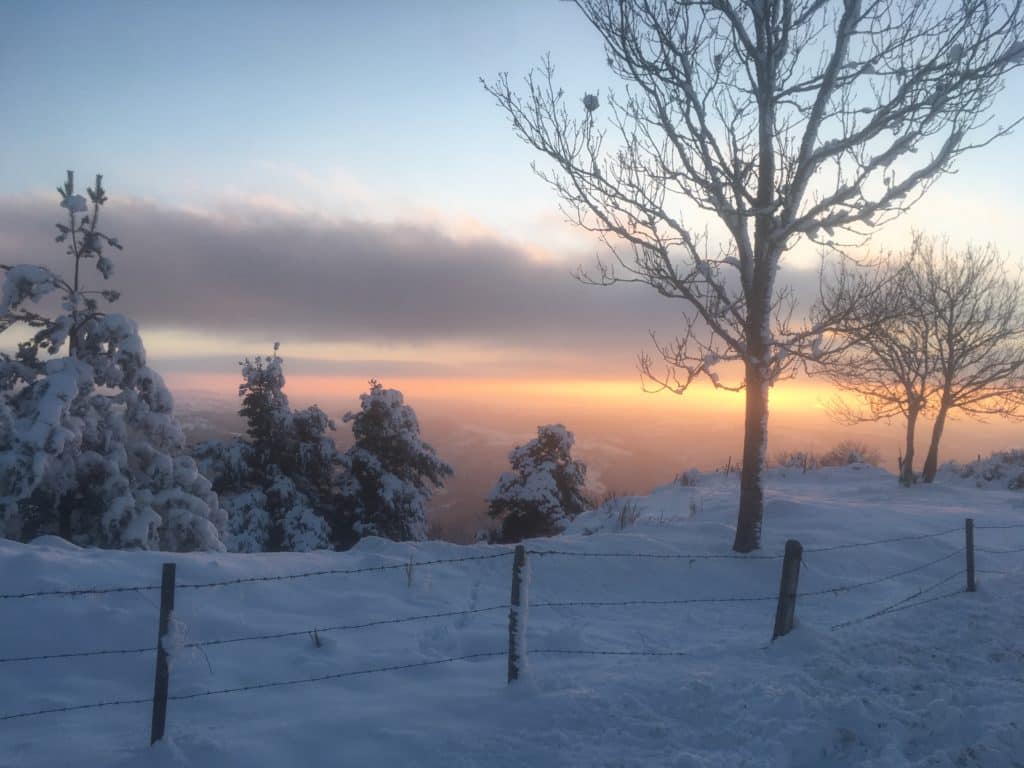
(779, 120)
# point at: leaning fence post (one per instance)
(969, 549)
(517, 615)
(162, 670)
(787, 588)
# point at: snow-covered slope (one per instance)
(937, 684)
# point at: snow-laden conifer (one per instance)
(543, 491)
(390, 473)
(277, 482)
(90, 448)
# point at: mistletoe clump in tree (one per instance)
(277, 483)
(543, 491)
(390, 473)
(89, 445)
(744, 129)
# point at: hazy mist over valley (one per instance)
(630, 440)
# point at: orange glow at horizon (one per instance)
(790, 396)
(631, 441)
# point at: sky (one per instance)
(333, 176)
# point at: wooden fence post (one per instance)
(517, 615)
(969, 549)
(787, 588)
(162, 671)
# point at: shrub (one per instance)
(843, 454)
(850, 452)
(1003, 468)
(688, 479)
(802, 460)
(628, 513)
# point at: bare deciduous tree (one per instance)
(883, 359)
(781, 120)
(941, 331)
(978, 342)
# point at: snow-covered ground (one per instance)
(938, 684)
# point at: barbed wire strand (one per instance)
(449, 614)
(508, 553)
(895, 609)
(883, 541)
(650, 555)
(267, 636)
(77, 592)
(936, 585)
(622, 603)
(925, 590)
(880, 579)
(336, 675)
(257, 686)
(75, 708)
(250, 579)
(572, 652)
(77, 654)
(684, 556)
(343, 571)
(988, 551)
(341, 627)
(743, 599)
(997, 527)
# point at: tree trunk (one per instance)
(931, 462)
(758, 280)
(907, 468)
(755, 441)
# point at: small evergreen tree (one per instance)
(543, 491)
(390, 472)
(89, 445)
(277, 484)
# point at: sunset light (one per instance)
(536, 383)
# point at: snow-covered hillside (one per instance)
(937, 684)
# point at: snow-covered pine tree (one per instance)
(543, 491)
(390, 472)
(278, 484)
(89, 445)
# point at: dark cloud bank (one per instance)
(266, 275)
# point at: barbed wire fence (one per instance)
(794, 560)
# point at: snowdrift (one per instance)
(648, 642)
(1003, 469)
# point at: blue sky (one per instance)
(187, 102)
(349, 108)
(364, 112)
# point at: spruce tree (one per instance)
(390, 473)
(542, 492)
(277, 483)
(89, 445)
